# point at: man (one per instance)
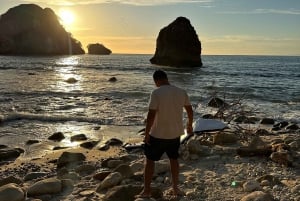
(164, 128)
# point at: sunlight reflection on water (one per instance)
(69, 79)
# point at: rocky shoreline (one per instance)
(220, 165)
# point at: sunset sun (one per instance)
(66, 17)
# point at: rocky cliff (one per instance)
(28, 29)
(98, 49)
(178, 45)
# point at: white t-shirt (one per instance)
(168, 101)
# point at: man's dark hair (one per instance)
(160, 75)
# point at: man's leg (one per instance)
(175, 174)
(148, 173)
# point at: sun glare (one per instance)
(66, 17)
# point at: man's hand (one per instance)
(147, 139)
(189, 129)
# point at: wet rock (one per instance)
(71, 80)
(89, 145)
(114, 142)
(58, 136)
(79, 137)
(10, 153)
(30, 142)
(267, 121)
(112, 79)
(293, 127)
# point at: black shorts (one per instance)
(157, 147)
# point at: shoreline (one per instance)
(208, 171)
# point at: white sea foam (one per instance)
(48, 118)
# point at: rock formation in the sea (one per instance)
(178, 45)
(28, 29)
(98, 49)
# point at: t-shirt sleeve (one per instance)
(153, 103)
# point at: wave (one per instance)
(48, 118)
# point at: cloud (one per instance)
(265, 11)
(274, 11)
(129, 2)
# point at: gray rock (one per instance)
(125, 170)
(68, 158)
(34, 175)
(258, 196)
(224, 138)
(126, 192)
(250, 186)
(11, 192)
(111, 180)
(46, 186)
(10, 179)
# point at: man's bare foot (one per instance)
(143, 194)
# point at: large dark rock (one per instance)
(98, 49)
(28, 29)
(178, 45)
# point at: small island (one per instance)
(28, 29)
(98, 49)
(178, 45)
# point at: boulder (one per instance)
(68, 158)
(11, 192)
(10, 153)
(178, 45)
(28, 29)
(57, 136)
(126, 192)
(111, 180)
(10, 179)
(217, 103)
(46, 186)
(98, 49)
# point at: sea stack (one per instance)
(28, 29)
(98, 49)
(178, 45)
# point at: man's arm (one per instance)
(189, 123)
(149, 123)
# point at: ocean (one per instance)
(74, 94)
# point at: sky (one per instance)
(224, 27)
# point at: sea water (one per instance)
(74, 94)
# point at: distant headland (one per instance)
(28, 29)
